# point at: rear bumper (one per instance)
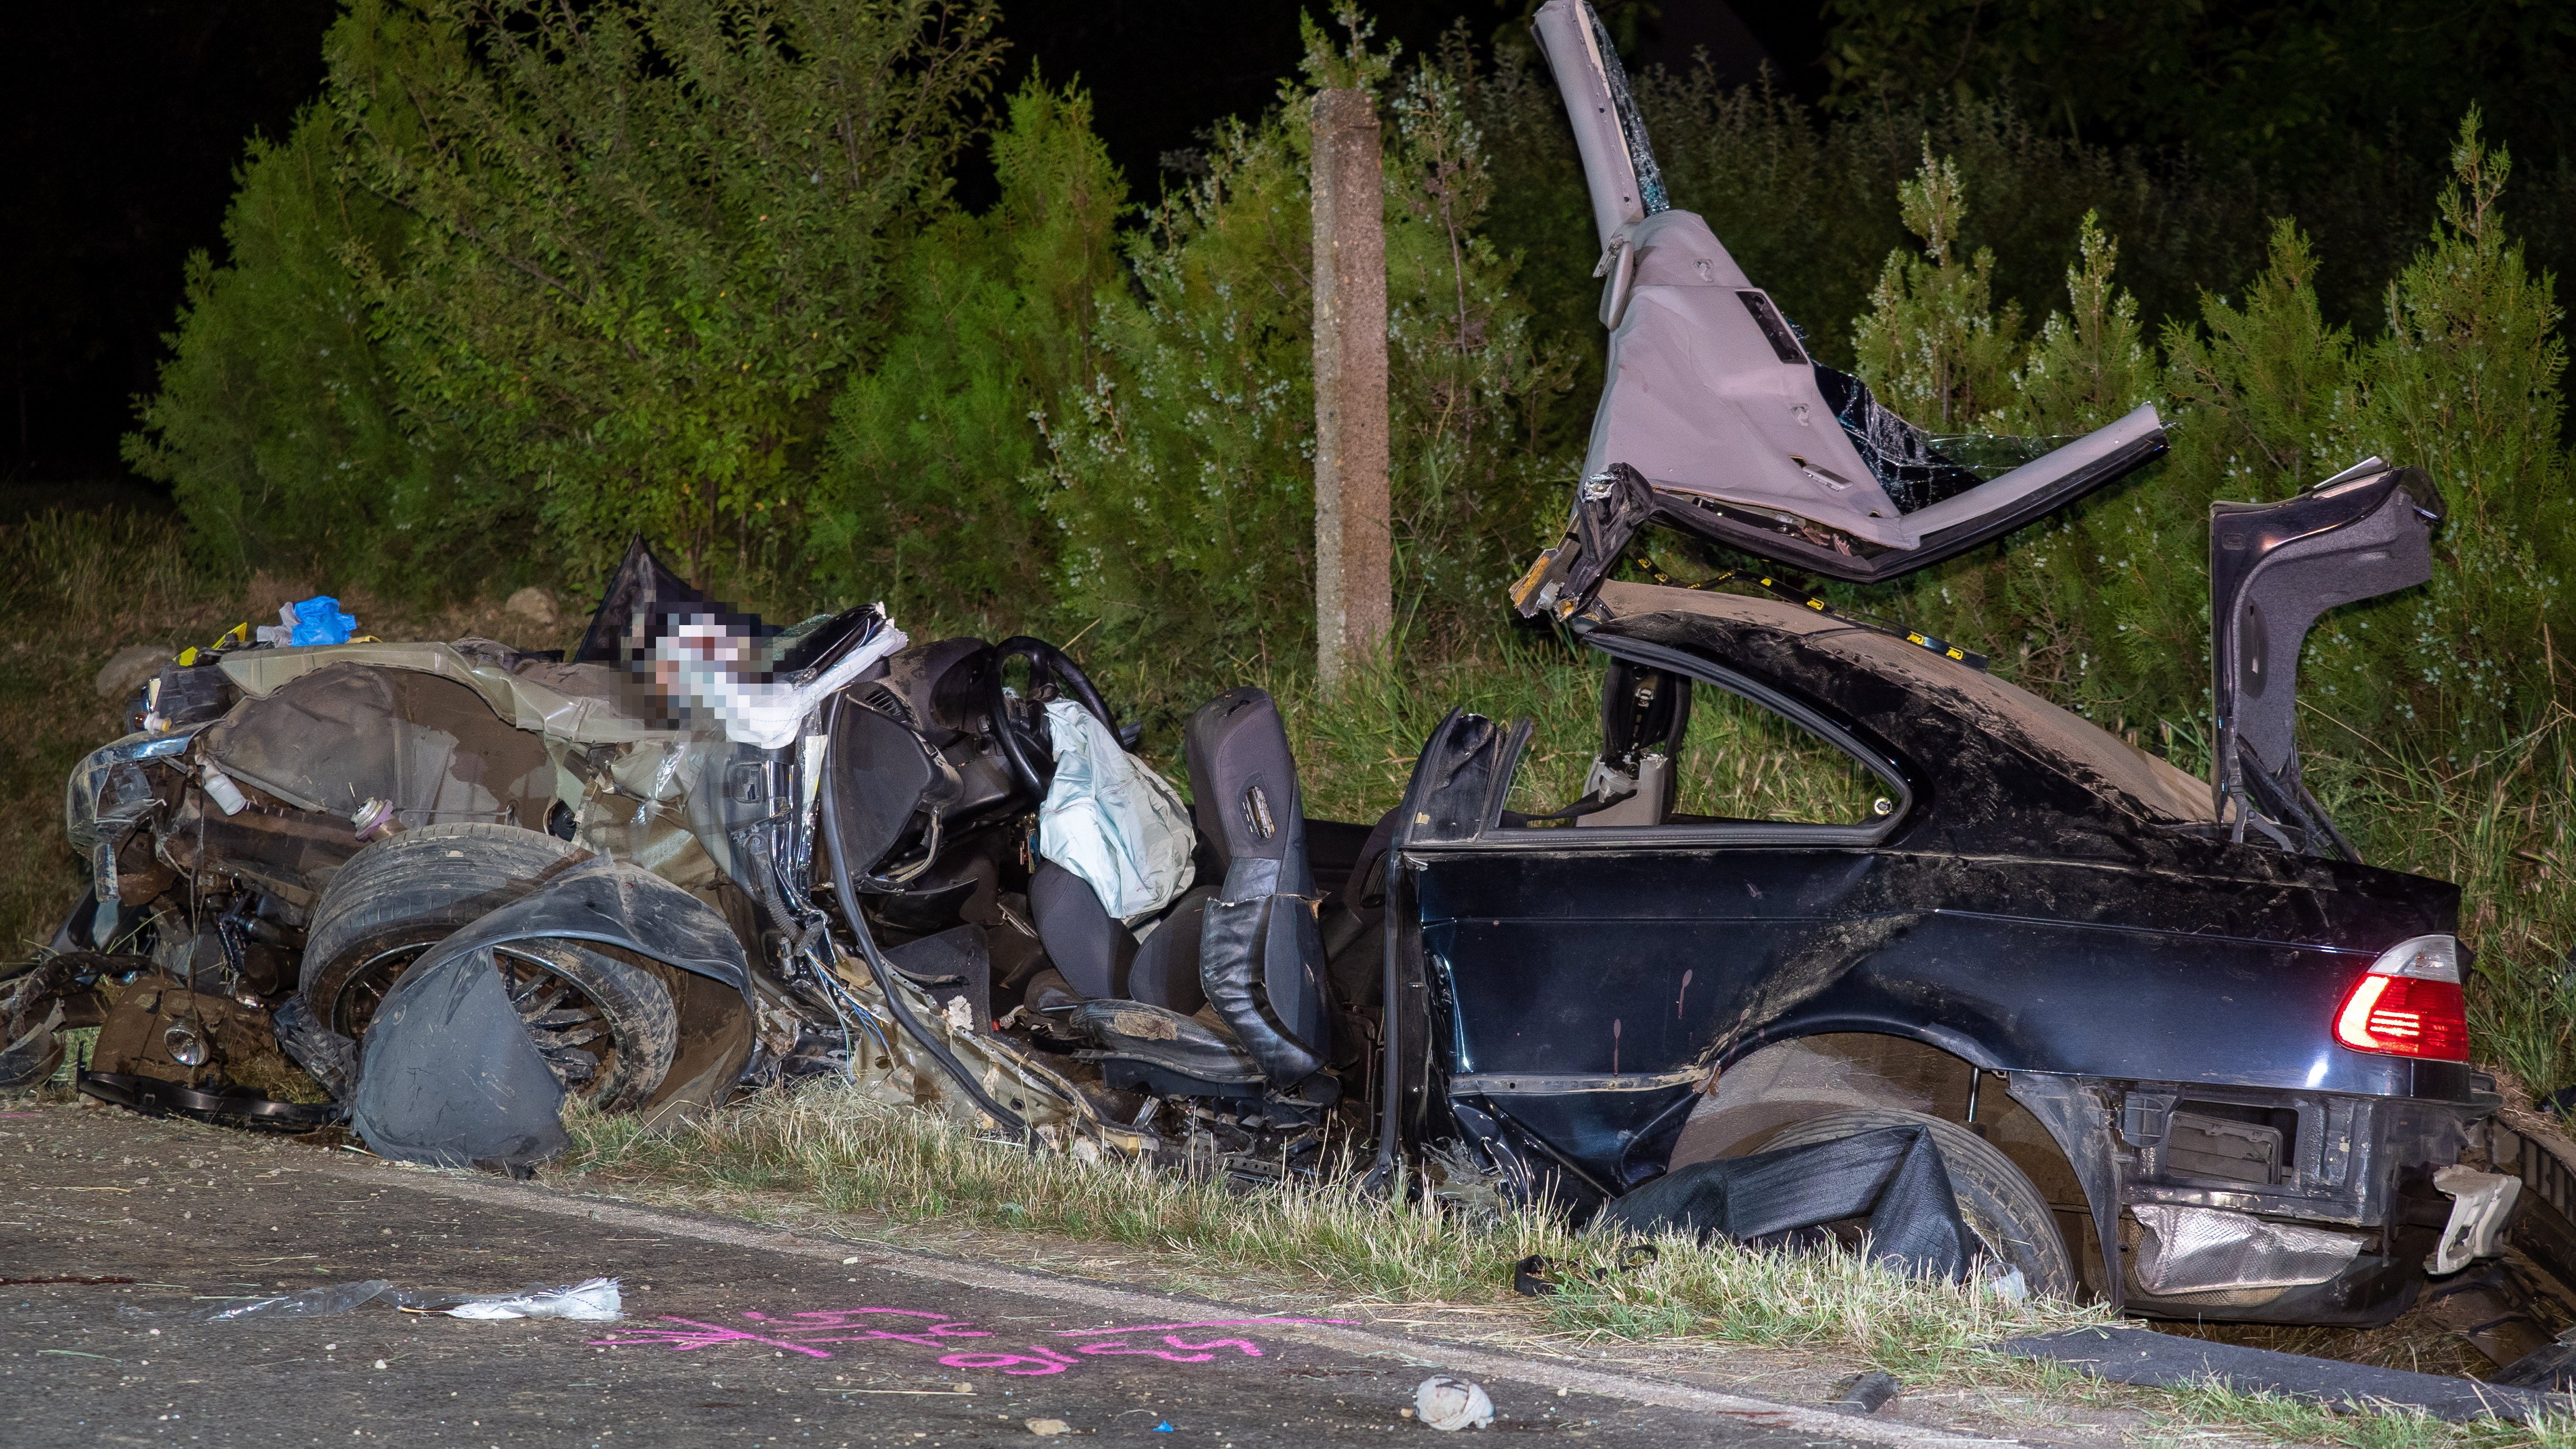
(2335, 1168)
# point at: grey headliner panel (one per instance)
(1564, 29)
(2036, 475)
(1699, 402)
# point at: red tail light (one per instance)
(2409, 1005)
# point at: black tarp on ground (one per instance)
(447, 1074)
(2144, 1356)
(1892, 1176)
(443, 1079)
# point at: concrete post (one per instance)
(1354, 554)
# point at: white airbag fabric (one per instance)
(1110, 820)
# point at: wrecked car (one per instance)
(2188, 1052)
(2177, 1048)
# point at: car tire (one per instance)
(1998, 1200)
(608, 1027)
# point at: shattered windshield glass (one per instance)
(1651, 195)
(1919, 469)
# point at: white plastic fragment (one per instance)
(220, 788)
(323, 1302)
(2480, 1203)
(2005, 1281)
(592, 1301)
(1446, 1403)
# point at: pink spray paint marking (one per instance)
(1201, 1352)
(798, 1332)
(824, 1326)
(694, 1334)
(1020, 1365)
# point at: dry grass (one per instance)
(841, 1153)
(75, 587)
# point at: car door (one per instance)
(1570, 986)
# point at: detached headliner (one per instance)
(2007, 710)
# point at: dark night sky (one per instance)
(126, 118)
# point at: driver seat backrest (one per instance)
(1261, 956)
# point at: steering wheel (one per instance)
(1025, 748)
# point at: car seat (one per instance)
(1233, 969)
(1261, 956)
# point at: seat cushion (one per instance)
(1091, 949)
(1166, 970)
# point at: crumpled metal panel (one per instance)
(578, 703)
(107, 796)
(2205, 1250)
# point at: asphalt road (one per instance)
(733, 1334)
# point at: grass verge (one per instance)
(832, 1151)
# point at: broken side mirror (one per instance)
(2273, 569)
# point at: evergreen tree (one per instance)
(648, 238)
(1932, 345)
(2465, 383)
(925, 494)
(276, 425)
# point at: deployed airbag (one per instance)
(1112, 821)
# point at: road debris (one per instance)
(593, 1300)
(1452, 1403)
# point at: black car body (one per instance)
(2043, 909)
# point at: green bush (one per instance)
(927, 493)
(650, 237)
(276, 426)
(1180, 475)
(2107, 607)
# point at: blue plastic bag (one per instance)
(319, 621)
